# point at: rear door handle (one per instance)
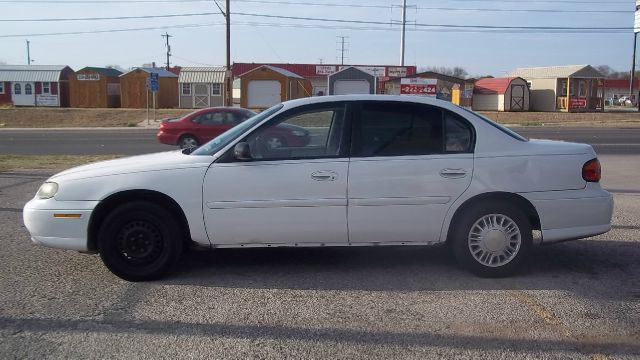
(453, 173)
(324, 175)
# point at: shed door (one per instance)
(23, 93)
(200, 96)
(348, 87)
(263, 93)
(517, 97)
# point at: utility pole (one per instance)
(29, 60)
(228, 86)
(342, 48)
(167, 36)
(404, 24)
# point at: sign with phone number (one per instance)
(418, 89)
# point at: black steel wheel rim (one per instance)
(139, 242)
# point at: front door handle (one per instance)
(324, 175)
(453, 173)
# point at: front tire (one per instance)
(140, 241)
(491, 240)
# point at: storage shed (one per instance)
(571, 88)
(201, 87)
(95, 87)
(133, 88)
(501, 94)
(35, 85)
(267, 85)
(351, 80)
(449, 88)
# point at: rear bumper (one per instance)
(165, 138)
(570, 218)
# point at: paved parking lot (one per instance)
(573, 300)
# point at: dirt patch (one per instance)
(60, 118)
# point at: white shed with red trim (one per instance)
(35, 85)
(501, 94)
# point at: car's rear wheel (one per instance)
(140, 241)
(188, 141)
(491, 240)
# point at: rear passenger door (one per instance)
(409, 162)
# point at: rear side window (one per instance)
(400, 129)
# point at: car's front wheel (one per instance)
(492, 239)
(140, 241)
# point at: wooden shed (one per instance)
(94, 87)
(266, 85)
(570, 88)
(351, 80)
(133, 88)
(501, 94)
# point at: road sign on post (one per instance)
(153, 83)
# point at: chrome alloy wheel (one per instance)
(494, 240)
(188, 142)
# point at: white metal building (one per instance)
(201, 87)
(35, 85)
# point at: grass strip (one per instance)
(48, 162)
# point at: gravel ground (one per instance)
(578, 299)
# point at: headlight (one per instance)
(299, 133)
(47, 190)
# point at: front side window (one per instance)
(397, 129)
(46, 88)
(28, 90)
(308, 134)
(17, 89)
(186, 89)
(216, 89)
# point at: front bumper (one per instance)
(42, 219)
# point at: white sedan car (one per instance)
(376, 170)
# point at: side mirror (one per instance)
(242, 152)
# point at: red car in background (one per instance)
(200, 126)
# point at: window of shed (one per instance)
(216, 89)
(17, 89)
(46, 88)
(28, 90)
(186, 89)
(1, 88)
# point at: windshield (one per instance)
(491, 122)
(223, 139)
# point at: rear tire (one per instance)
(188, 141)
(140, 241)
(491, 239)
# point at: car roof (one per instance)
(401, 98)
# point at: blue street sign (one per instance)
(152, 82)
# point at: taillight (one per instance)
(591, 170)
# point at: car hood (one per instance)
(133, 164)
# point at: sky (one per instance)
(261, 37)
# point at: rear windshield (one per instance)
(504, 129)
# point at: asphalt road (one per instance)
(140, 141)
(575, 300)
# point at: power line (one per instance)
(325, 27)
(434, 25)
(301, 3)
(109, 18)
